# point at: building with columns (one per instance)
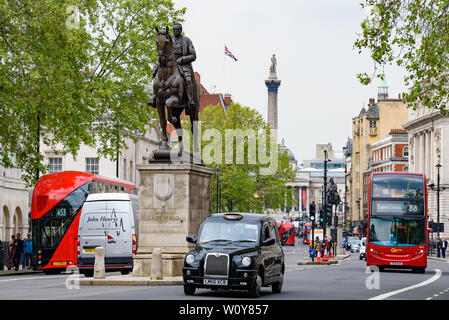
(428, 138)
(309, 180)
(14, 204)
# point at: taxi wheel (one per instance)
(189, 290)
(254, 291)
(277, 287)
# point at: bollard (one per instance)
(99, 272)
(156, 264)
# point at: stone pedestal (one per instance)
(173, 201)
(340, 249)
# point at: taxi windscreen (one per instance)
(224, 231)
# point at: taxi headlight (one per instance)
(246, 261)
(190, 258)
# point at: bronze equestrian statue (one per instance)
(174, 85)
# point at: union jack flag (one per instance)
(229, 54)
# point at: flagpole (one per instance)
(224, 68)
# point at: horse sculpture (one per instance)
(170, 93)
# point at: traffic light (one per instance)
(321, 217)
(329, 213)
(312, 211)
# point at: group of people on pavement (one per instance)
(325, 247)
(441, 247)
(19, 251)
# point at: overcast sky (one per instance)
(313, 43)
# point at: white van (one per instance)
(108, 220)
(363, 249)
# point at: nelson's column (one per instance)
(272, 85)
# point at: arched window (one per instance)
(405, 152)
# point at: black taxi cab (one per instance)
(235, 251)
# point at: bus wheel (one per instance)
(419, 270)
(88, 273)
(52, 271)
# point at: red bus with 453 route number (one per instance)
(55, 211)
(397, 221)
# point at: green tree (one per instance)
(76, 71)
(415, 35)
(244, 186)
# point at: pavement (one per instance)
(12, 272)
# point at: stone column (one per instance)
(422, 152)
(273, 85)
(173, 201)
(428, 155)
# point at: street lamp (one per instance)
(218, 172)
(438, 189)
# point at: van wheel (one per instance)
(189, 290)
(254, 291)
(124, 272)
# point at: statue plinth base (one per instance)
(174, 198)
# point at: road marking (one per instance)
(421, 284)
(31, 278)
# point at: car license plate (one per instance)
(59, 263)
(89, 250)
(216, 282)
(397, 263)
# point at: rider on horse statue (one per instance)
(185, 55)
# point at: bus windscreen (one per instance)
(397, 232)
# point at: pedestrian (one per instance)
(18, 253)
(27, 251)
(444, 247)
(331, 245)
(12, 252)
(318, 246)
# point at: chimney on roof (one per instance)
(227, 99)
(197, 77)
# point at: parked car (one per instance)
(108, 220)
(235, 251)
(362, 254)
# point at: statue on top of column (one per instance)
(273, 64)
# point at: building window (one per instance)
(405, 152)
(55, 164)
(92, 165)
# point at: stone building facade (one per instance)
(370, 126)
(428, 134)
(14, 204)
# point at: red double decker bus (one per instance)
(307, 229)
(55, 210)
(397, 221)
